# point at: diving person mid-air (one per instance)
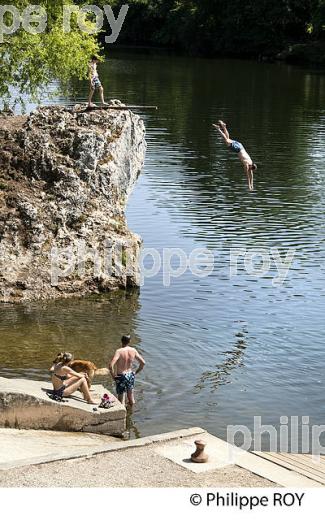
(238, 148)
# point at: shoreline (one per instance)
(166, 458)
(310, 54)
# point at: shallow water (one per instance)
(219, 350)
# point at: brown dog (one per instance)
(89, 368)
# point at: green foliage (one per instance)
(318, 19)
(211, 27)
(30, 62)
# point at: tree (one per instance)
(220, 27)
(30, 61)
(318, 21)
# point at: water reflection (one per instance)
(221, 374)
(91, 328)
(192, 193)
(131, 426)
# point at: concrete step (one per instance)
(24, 404)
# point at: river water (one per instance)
(230, 346)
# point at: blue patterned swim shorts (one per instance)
(125, 382)
(236, 147)
(96, 83)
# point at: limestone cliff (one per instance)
(65, 178)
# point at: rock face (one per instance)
(65, 178)
(25, 405)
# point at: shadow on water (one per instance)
(221, 374)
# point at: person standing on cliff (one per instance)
(238, 148)
(122, 372)
(95, 82)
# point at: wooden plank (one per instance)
(119, 107)
(303, 461)
(292, 464)
(103, 107)
(290, 460)
(308, 459)
(303, 465)
(274, 471)
(294, 468)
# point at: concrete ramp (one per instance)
(19, 448)
(25, 405)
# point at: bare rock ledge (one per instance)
(24, 405)
(65, 178)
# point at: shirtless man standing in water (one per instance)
(121, 370)
(239, 149)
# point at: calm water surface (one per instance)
(221, 349)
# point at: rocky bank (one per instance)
(65, 178)
(24, 405)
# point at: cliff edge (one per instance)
(65, 178)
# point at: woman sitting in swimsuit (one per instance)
(66, 381)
